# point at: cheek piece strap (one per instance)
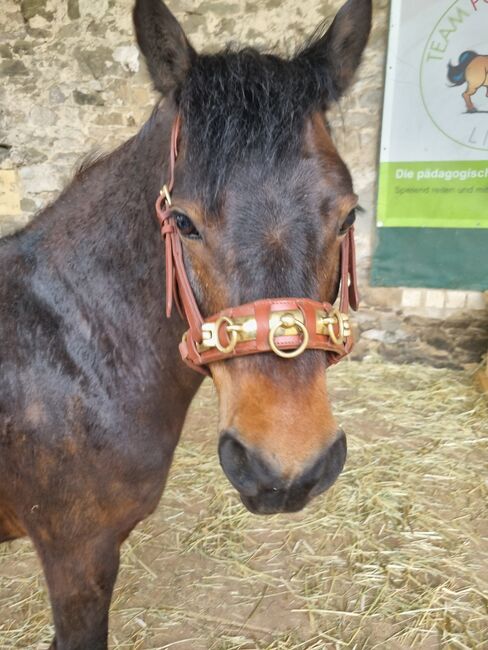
(284, 326)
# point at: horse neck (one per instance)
(99, 259)
(101, 231)
(103, 223)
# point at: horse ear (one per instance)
(161, 39)
(335, 56)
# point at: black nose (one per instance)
(260, 485)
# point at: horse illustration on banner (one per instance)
(473, 70)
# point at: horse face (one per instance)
(262, 200)
(277, 233)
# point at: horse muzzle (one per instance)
(261, 487)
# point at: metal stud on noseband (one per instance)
(285, 326)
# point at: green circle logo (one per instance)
(454, 74)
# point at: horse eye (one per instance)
(350, 219)
(185, 226)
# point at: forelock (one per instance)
(239, 106)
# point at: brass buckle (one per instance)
(166, 193)
(342, 320)
(287, 321)
(210, 335)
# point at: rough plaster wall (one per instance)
(73, 81)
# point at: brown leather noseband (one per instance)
(285, 326)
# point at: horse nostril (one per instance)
(244, 469)
(235, 461)
(263, 489)
(325, 471)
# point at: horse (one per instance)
(254, 204)
(472, 69)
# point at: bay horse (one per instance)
(472, 69)
(257, 205)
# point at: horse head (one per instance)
(262, 202)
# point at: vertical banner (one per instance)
(433, 179)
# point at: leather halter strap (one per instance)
(285, 326)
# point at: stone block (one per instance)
(128, 57)
(435, 298)
(391, 324)
(13, 68)
(39, 23)
(9, 226)
(31, 8)
(141, 96)
(9, 193)
(73, 9)
(23, 46)
(28, 205)
(390, 297)
(56, 95)
(374, 335)
(455, 300)
(95, 8)
(40, 178)
(5, 155)
(94, 61)
(87, 99)
(475, 300)
(110, 119)
(412, 298)
(5, 52)
(42, 116)
(366, 319)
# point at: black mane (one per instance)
(237, 104)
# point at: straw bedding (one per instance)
(394, 556)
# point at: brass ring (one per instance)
(287, 321)
(233, 336)
(337, 340)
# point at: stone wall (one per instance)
(72, 80)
